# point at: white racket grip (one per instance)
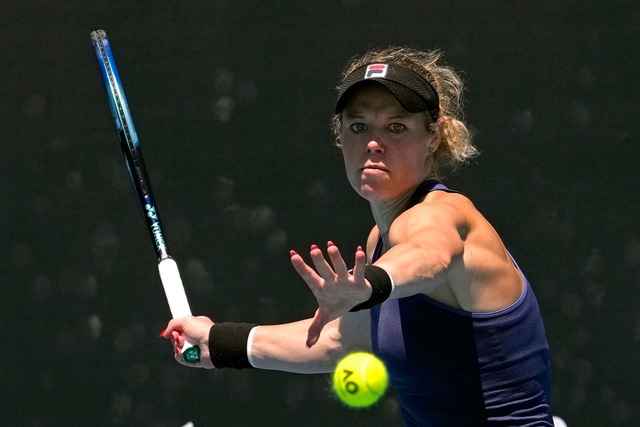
(173, 289)
(177, 299)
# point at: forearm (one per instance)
(276, 347)
(283, 348)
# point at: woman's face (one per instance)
(385, 148)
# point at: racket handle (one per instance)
(190, 353)
(178, 303)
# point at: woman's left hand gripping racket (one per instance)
(130, 145)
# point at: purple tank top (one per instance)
(451, 367)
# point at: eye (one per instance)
(397, 127)
(358, 127)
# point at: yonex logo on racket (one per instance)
(376, 71)
(151, 211)
(157, 236)
(156, 231)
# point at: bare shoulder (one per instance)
(447, 200)
(442, 210)
(458, 210)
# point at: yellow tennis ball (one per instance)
(360, 379)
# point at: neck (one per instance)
(385, 212)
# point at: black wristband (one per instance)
(381, 287)
(228, 345)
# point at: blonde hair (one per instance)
(455, 148)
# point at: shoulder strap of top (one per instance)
(422, 190)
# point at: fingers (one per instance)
(360, 262)
(328, 282)
(337, 261)
(306, 272)
(324, 272)
(183, 328)
(328, 271)
(174, 325)
(178, 339)
(322, 266)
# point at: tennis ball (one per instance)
(360, 379)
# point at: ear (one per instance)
(436, 132)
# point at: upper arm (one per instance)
(424, 242)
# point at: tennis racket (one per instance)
(169, 274)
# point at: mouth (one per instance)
(373, 167)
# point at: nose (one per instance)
(375, 146)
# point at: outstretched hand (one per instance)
(336, 288)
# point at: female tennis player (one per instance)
(436, 295)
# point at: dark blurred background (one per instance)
(232, 102)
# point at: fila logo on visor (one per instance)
(376, 71)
